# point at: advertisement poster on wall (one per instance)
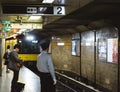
(76, 47)
(102, 49)
(112, 50)
(76, 44)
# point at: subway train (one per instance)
(29, 46)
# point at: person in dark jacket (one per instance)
(6, 56)
(14, 59)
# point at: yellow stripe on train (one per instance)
(28, 57)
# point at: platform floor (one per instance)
(31, 80)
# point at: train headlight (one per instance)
(29, 38)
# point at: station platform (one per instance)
(31, 80)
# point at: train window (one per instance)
(29, 46)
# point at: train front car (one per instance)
(29, 48)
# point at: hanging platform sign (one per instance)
(33, 9)
(27, 9)
(26, 26)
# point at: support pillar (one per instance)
(0, 46)
(0, 57)
(118, 58)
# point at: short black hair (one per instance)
(44, 44)
(16, 46)
(8, 47)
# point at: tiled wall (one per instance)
(87, 55)
(63, 58)
(102, 73)
(107, 73)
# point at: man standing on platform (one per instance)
(6, 56)
(17, 63)
(46, 68)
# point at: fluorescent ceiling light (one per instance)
(47, 1)
(60, 44)
(34, 17)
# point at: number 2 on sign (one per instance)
(59, 10)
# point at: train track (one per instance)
(61, 87)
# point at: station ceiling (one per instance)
(22, 1)
(92, 15)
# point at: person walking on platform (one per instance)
(6, 56)
(13, 56)
(46, 68)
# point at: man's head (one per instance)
(8, 47)
(44, 44)
(17, 47)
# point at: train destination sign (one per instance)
(33, 9)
